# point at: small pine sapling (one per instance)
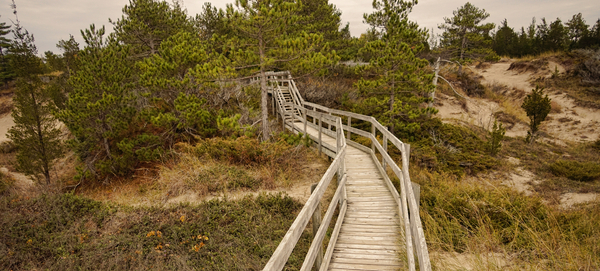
(537, 106)
(494, 138)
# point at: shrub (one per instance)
(451, 148)
(471, 84)
(6, 183)
(494, 138)
(577, 171)
(596, 145)
(537, 106)
(65, 232)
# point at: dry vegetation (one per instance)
(58, 231)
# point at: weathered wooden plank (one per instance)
(366, 251)
(366, 229)
(363, 266)
(393, 247)
(370, 259)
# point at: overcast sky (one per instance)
(53, 20)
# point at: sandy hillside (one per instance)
(570, 123)
(6, 121)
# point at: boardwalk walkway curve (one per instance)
(377, 228)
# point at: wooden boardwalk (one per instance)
(378, 226)
(369, 238)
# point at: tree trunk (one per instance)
(392, 97)
(435, 79)
(264, 107)
(43, 154)
(462, 53)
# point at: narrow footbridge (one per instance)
(377, 227)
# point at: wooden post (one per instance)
(385, 143)
(435, 78)
(415, 186)
(374, 137)
(320, 132)
(305, 116)
(314, 119)
(417, 191)
(349, 125)
(293, 116)
(329, 123)
(273, 104)
(316, 223)
(283, 117)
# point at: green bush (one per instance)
(452, 148)
(5, 183)
(218, 179)
(246, 151)
(577, 171)
(596, 145)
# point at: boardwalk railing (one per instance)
(294, 109)
(284, 250)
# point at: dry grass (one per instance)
(544, 55)
(199, 172)
(555, 108)
(479, 219)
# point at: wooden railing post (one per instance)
(273, 103)
(314, 119)
(283, 113)
(316, 223)
(305, 120)
(329, 123)
(293, 116)
(385, 143)
(374, 136)
(349, 125)
(320, 132)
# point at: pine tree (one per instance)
(35, 132)
(578, 30)
(146, 23)
(557, 37)
(505, 40)
(396, 81)
(537, 106)
(6, 74)
(265, 37)
(319, 16)
(180, 81)
(465, 37)
(70, 49)
(100, 112)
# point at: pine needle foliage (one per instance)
(465, 36)
(494, 138)
(537, 106)
(266, 37)
(35, 133)
(396, 82)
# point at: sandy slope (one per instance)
(6, 121)
(572, 124)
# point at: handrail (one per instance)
(406, 200)
(407, 194)
(289, 241)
